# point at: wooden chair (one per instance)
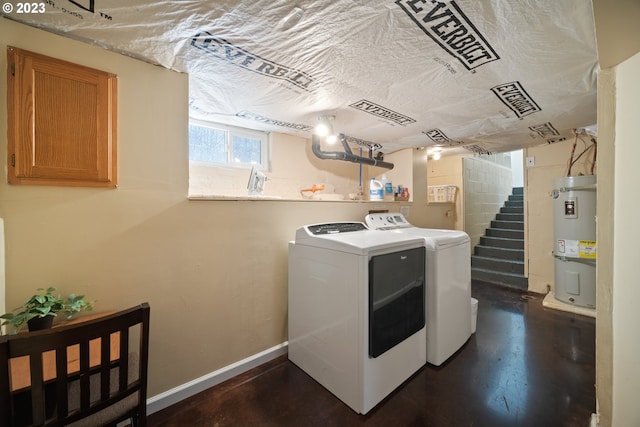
(98, 373)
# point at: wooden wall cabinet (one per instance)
(61, 122)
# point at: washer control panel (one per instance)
(386, 221)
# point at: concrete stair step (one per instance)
(497, 264)
(503, 253)
(511, 225)
(514, 204)
(510, 217)
(517, 190)
(515, 210)
(505, 232)
(501, 242)
(511, 280)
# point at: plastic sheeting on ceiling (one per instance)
(483, 75)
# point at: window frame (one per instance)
(230, 132)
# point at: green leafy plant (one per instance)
(45, 303)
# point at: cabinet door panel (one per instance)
(62, 120)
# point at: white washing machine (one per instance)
(448, 266)
(356, 309)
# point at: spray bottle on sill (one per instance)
(388, 189)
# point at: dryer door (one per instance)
(396, 298)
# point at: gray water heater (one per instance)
(574, 227)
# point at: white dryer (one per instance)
(356, 309)
(448, 263)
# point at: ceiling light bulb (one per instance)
(324, 126)
(322, 129)
(331, 139)
(436, 155)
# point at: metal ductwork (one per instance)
(346, 155)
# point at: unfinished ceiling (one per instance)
(483, 76)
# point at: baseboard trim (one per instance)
(175, 395)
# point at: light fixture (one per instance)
(436, 153)
(324, 129)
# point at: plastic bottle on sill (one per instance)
(375, 190)
(387, 189)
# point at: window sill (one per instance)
(203, 197)
(283, 199)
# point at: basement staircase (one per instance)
(499, 257)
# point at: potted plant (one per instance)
(39, 310)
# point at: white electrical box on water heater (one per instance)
(574, 226)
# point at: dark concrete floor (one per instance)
(525, 366)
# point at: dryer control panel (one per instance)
(386, 221)
(336, 227)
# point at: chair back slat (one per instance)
(85, 394)
(144, 365)
(37, 388)
(6, 415)
(62, 395)
(124, 369)
(105, 368)
(94, 366)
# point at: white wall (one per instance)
(626, 291)
(448, 171)
(517, 168)
(487, 184)
(618, 37)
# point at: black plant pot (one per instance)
(40, 323)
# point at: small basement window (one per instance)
(221, 145)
